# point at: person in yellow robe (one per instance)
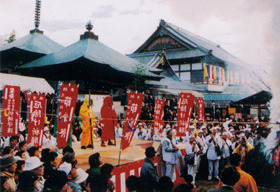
(246, 182)
(87, 116)
(243, 148)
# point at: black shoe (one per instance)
(103, 144)
(110, 143)
(83, 147)
(90, 146)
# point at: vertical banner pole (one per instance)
(56, 114)
(122, 135)
(111, 94)
(120, 152)
(27, 109)
(91, 136)
(114, 130)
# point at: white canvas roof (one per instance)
(26, 83)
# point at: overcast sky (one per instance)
(246, 29)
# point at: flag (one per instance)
(11, 107)
(222, 71)
(67, 103)
(213, 72)
(205, 73)
(209, 71)
(200, 110)
(230, 79)
(236, 77)
(133, 111)
(218, 73)
(36, 119)
(185, 105)
(158, 114)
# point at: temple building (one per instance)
(190, 62)
(170, 61)
(92, 65)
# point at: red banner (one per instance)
(11, 107)
(158, 114)
(67, 103)
(185, 105)
(200, 110)
(134, 103)
(36, 118)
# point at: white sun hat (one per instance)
(32, 163)
(66, 167)
(82, 176)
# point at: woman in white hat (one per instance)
(81, 179)
(35, 165)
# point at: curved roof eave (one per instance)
(34, 42)
(91, 50)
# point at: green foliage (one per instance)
(12, 37)
(139, 78)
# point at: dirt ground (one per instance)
(110, 155)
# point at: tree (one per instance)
(140, 71)
(12, 37)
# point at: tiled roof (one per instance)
(201, 43)
(94, 51)
(231, 93)
(34, 42)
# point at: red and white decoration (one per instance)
(67, 103)
(134, 103)
(36, 118)
(158, 114)
(185, 105)
(200, 110)
(11, 111)
(121, 173)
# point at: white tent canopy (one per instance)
(25, 83)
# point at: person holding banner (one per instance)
(87, 115)
(170, 154)
(109, 121)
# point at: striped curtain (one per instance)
(222, 74)
(209, 71)
(236, 77)
(218, 75)
(229, 76)
(213, 72)
(205, 73)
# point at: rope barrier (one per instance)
(166, 121)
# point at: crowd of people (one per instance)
(212, 150)
(232, 178)
(26, 168)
